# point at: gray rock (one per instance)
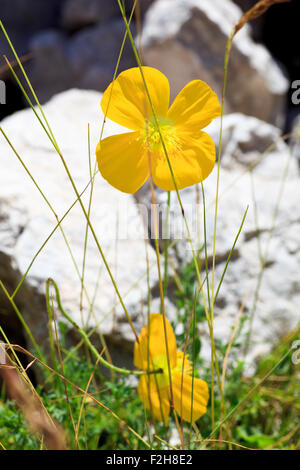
(79, 14)
(51, 70)
(32, 15)
(99, 47)
(23, 19)
(186, 40)
(85, 60)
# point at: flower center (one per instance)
(152, 136)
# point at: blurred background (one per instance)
(75, 43)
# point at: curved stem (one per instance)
(85, 337)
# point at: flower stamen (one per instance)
(152, 137)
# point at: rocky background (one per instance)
(70, 44)
(75, 43)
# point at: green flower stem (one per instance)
(205, 243)
(92, 176)
(226, 60)
(161, 291)
(85, 336)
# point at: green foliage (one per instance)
(13, 431)
(267, 419)
(98, 429)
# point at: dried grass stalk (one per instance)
(37, 418)
(259, 9)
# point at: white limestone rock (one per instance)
(26, 220)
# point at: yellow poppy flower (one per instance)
(125, 160)
(190, 394)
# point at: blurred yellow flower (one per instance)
(190, 394)
(123, 159)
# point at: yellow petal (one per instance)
(191, 162)
(190, 405)
(195, 106)
(158, 404)
(157, 344)
(125, 100)
(123, 162)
